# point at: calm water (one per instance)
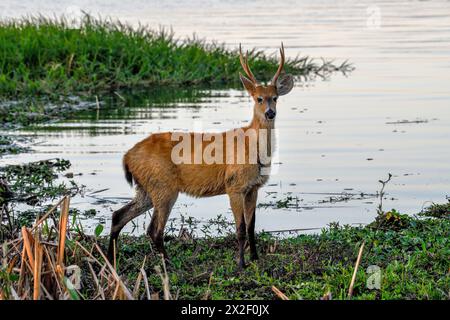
(341, 135)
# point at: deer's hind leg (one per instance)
(164, 199)
(139, 205)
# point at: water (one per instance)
(341, 135)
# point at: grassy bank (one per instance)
(51, 68)
(413, 261)
(409, 258)
(51, 57)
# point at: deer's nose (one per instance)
(270, 114)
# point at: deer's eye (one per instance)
(274, 99)
(260, 100)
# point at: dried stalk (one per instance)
(147, 289)
(138, 280)
(279, 294)
(164, 279)
(37, 269)
(114, 274)
(27, 244)
(62, 231)
(97, 283)
(45, 216)
(358, 260)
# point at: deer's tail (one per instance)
(126, 169)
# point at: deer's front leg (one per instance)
(249, 214)
(237, 206)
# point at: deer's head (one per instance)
(266, 96)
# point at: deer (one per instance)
(159, 180)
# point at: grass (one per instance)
(42, 56)
(413, 264)
(407, 260)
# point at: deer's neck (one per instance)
(264, 133)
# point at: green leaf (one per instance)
(13, 277)
(98, 230)
(72, 292)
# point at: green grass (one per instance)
(50, 57)
(413, 260)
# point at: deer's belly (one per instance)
(213, 180)
(243, 179)
(202, 180)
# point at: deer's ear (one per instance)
(248, 84)
(285, 83)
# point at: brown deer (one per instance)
(159, 179)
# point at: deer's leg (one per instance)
(249, 215)
(163, 207)
(140, 204)
(237, 206)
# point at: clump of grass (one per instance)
(52, 57)
(391, 220)
(437, 210)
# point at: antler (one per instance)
(244, 64)
(280, 67)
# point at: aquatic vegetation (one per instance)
(33, 184)
(9, 146)
(437, 210)
(53, 57)
(51, 68)
(30, 110)
(287, 202)
(411, 253)
(36, 182)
